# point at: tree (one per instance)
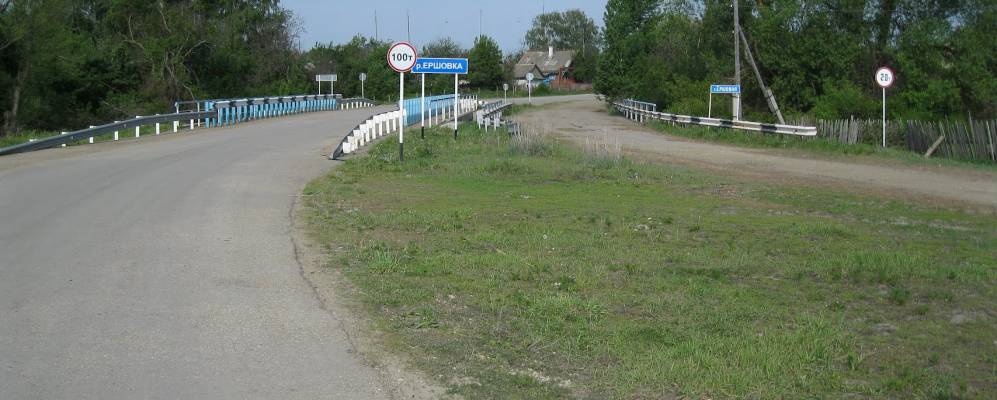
(571, 29)
(446, 48)
(625, 37)
(485, 60)
(816, 56)
(66, 64)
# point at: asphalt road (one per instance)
(163, 268)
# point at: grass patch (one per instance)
(10, 140)
(527, 269)
(813, 145)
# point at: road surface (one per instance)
(163, 268)
(584, 120)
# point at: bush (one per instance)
(842, 100)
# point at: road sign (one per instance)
(884, 77)
(363, 77)
(725, 89)
(505, 86)
(326, 78)
(401, 57)
(440, 66)
(529, 77)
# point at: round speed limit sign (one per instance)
(401, 57)
(884, 77)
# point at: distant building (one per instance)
(548, 67)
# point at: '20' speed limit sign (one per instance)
(884, 77)
(401, 57)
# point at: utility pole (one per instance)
(376, 36)
(408, 26)
(769, 96)
(737, 63)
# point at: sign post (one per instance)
(422, 109)
(529, 87)
(455, 66)
(884, 78)
(456, 105)
(363, 77)
(401, 58)
(326, 78)
(505, 92)
(721, 89)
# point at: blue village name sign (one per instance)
(726, 89)
(440, 66)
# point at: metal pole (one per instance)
(709, 110)
(456, 104)
(401, 116)
(737, 62)
(361, 90)
(529, 91)
(884, 118)
(422, 108)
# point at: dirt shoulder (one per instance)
(585, 122)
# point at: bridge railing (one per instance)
(643, 111)
(490, 114)
(439, 110)
(213, 114)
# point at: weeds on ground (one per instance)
(521, 268)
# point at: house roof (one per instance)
(520, 70)
(548, 65)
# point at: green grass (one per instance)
(812, 145)
(529, 270)
(10, 140)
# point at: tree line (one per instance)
(817, 56)
(69, 63)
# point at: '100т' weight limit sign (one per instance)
(401, 58)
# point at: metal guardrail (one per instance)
(490, 114)
(440, 110)
(642, 111)
(70, 137)
(218, 113)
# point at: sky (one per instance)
(506, 21)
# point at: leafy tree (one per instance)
(626, 36)
(66, 64)
(571, 29)
(485, 60)
(817, 56)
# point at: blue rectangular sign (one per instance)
(440, 66)
(725, 89)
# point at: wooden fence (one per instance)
(964, 140)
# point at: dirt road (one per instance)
(584, 120)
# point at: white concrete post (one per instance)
(157, 127)
(137, 128)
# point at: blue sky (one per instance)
(506, 21)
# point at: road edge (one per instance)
(331, 290)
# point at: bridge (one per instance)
(166, 266)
